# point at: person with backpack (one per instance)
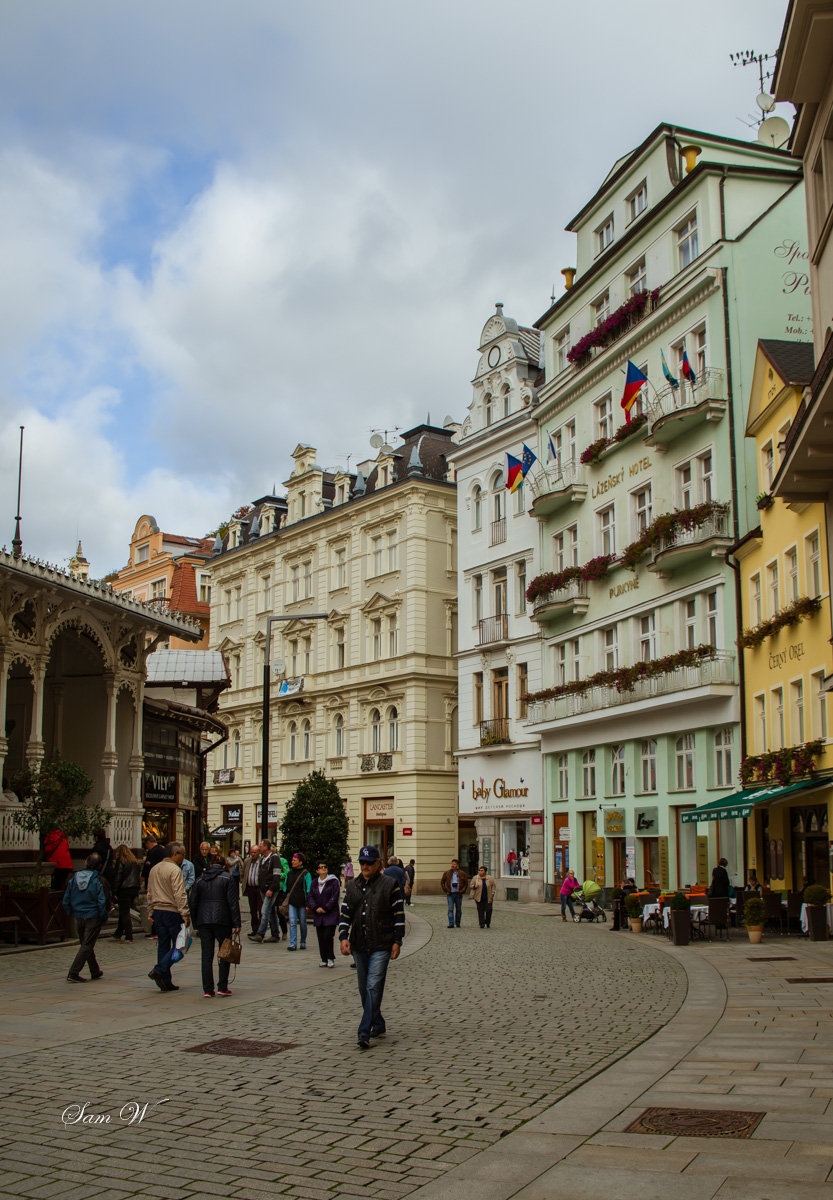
(86, 901)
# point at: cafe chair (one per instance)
(793, 913)
(773, 910)
(716, 916)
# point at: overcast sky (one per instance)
(229, 227)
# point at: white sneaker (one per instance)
(330, 962)
(322, 963)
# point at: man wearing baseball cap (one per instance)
(371, 929)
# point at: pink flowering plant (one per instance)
(554, 581)
(592, 453)
(781, 766)
(664, 527)
(614, 326)
(804, 606)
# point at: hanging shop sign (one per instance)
(647, 820)
(160, 787)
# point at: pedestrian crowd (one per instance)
(203, 897)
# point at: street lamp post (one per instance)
(264, 780)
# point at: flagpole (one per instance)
(17, 543)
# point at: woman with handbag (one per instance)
(323, 904)
(298, 882)
(215, 913)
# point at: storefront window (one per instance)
(514, 842)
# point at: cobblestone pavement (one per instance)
(486, 1030)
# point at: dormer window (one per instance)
(143, 553)
(604, 235)
(637, 202)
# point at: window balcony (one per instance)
(494, 733)
(569, 601)
(674, 411)
(378, 761)
(555, 487)
(493, 629)
(719, 670)
(497, 532)
(710, 539)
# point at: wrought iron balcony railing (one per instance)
(492, 629)
(495, 732)
(497, 532)
(687, 542)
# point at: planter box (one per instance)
(817, 922)
(680, 920)
(41, 914)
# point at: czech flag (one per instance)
(687, 370)
(514, 472)
(675, 383)
(527, 459)
(634, 379)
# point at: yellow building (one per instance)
(787, 658)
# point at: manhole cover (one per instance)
(813, 979)
(696, 1122)
(782, 958)
(240, 1047)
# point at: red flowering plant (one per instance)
(666, 526)
(804, 606)
(612, 327)
(781, 766)
(553, 581)
(592, 453)
(625, 679)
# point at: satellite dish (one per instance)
(774, 132)
(386, 449)
(765, 102)
(376, 441)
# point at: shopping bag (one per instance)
(182, 944)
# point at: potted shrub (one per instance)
(816, 898)
(680, 919)
(753, 918)
(633, 908)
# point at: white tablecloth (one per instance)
(805, 923)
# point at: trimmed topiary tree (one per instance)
(315, 822)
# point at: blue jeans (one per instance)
(269, 915)
(567, 900)
(371, 969)
(455, 908)
(297, 916)
(167, 925)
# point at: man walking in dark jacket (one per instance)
(372, 928)
(215, 912)
(270, 878)
(85, 900)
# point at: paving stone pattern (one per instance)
(486, 1030)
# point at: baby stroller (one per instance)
(589, 895)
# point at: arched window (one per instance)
(293, 741)
(477, 507)
(487, 409)
(497, 498)
(375, 731)
(393, 729)
(307, 732)
(339, 736)
(235, 748)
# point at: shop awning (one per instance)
(741, 804)
(224, 831)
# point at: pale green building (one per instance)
(694, 244)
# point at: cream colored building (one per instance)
(370, 693)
